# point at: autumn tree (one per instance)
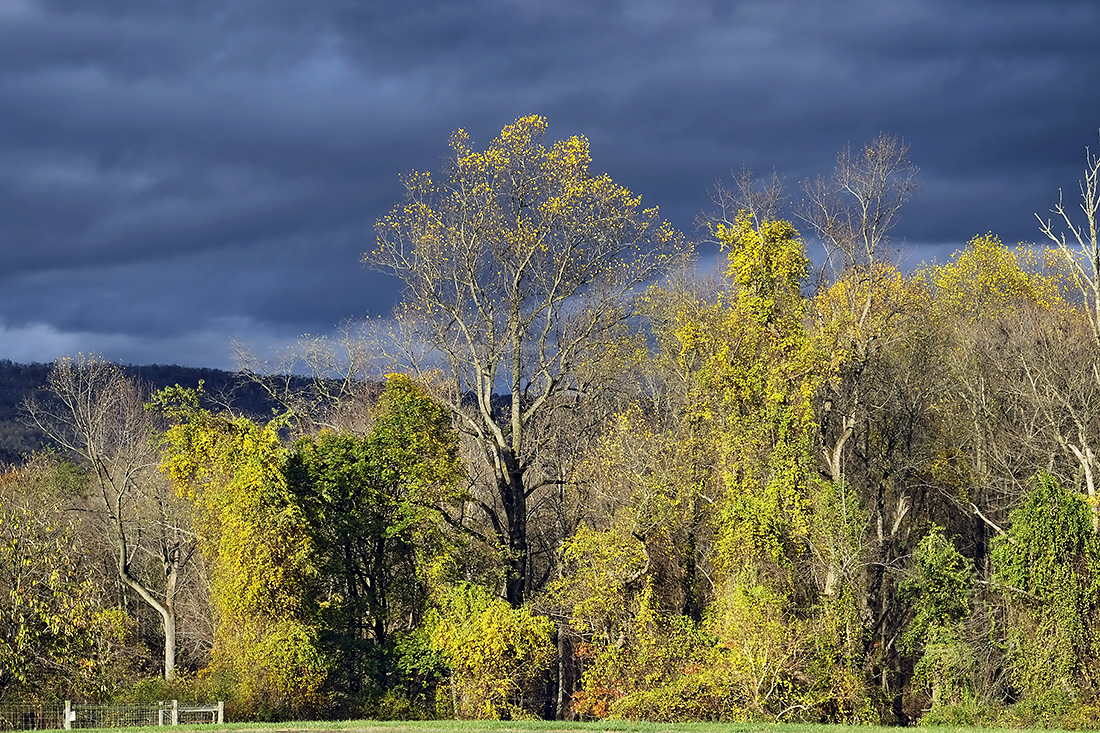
(853, 212)
(95, 412)
(520, 266)
(782, 533)
(1011, 355)
(497, 655)
(722, 524)
(753, 375)
(59, 633)
(865, 423)
(264, 579)
(1020, 391)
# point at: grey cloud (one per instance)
(174, 173)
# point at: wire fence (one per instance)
(68, 715)
(27, 716)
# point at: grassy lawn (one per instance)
(614, 726)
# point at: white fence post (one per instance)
(68, 722)
(221, 711)
(175, 712)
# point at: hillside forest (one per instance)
(582, 475)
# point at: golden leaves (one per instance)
(986, 278)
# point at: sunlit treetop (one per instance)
(986, 278)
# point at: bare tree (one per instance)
(1078, 241)
(854, 210)
(763, 199)
(852, 213)
(97, 413)
(326, 381)
(1023, 395)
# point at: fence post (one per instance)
(160, 713)
(68, 722)
(175, 712)
(221, 711)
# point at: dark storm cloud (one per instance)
(176, 174)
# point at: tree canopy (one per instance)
(598, 480)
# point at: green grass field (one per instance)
(612, 726)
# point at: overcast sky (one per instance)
(177, 173)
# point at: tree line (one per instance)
(597, 483)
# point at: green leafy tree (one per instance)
(1049, 566)
(783, 535)
(940, 587)
(372, 505)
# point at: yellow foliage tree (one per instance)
(987, 279)
(497, 654)
(754, 372)
(521, 270)
(57, 636)
(261, 554)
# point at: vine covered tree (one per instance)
(1047, 565)
(940, 587)
(521, 269)
(264, 576)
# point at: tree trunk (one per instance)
(514, 497)
(166, 610)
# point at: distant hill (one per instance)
(17, 381)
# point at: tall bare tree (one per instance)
(1077, 239)
(852, 213)
(864, 420)
(97, 413)
(854, 210)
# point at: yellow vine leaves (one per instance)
(755, 371)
